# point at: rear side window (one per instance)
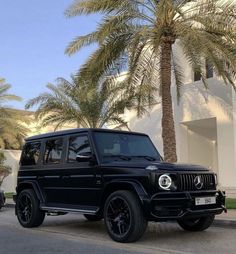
(53, 151)
(78, 145)
(30, 153)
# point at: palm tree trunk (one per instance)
(168, 127)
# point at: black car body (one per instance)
(2, 199)
(91, 170)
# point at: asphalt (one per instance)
(72, 233)
(224, 220)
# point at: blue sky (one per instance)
(33, 37)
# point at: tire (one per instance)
(90, 217)
(124, 218)
(27, 209)
(198, 224)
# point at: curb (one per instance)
(9, 205)
(231, 223)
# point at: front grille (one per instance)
(186, 182)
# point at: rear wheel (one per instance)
(124, 218)
(196, 224)
(27, 209)
(91, 217)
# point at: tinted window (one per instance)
(53, 151)
(197, 75)
(30, 153)
(78, 145)
(111, 145)
(209, 69)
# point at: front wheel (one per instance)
(27, 209)
(197, 224)
(124, 218)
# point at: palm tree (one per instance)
(84, 105)
(146, 31)
(12, 122)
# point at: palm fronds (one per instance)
(84, 105)
(140, 29)
(12, 123)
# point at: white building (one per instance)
(12, 160)
(205, 123)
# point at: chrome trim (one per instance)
(58, 209)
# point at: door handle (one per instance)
(65, 177)
(40, 177)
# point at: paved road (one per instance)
(73, 234)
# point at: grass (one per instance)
(8, 194)
(231, 203)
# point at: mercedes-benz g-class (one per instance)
(116, 175)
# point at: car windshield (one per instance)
(125, 146)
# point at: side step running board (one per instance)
(73, 210)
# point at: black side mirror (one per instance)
(86, 157)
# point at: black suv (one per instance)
(115, 175)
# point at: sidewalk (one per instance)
(224, 220)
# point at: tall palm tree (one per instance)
(86, 105)
(12, 123)
(146, 31)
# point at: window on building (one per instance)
(197, 75)
(209, 69)
(30, 153)
(53, 151)
(78, 145)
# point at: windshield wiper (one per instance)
(120, 156)
(149, 158)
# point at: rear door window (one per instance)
(78, 145)
(53, 151)
(30, 153)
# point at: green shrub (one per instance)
(231, 203)
(4, 170)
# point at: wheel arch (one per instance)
(133, 186)
(31, 185)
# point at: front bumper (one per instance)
(181, 205)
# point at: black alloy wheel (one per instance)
(118, 216)
(27, 209)
(124, 217)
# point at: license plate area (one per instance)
(205, 201)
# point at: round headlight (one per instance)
(165, 182)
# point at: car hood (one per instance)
(159, 165)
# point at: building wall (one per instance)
(199, 147)
(12, 160)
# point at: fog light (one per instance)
(165, 182)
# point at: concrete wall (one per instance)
(12, 160)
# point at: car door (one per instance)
(51, 173)
(80, 177)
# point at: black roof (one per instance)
(74, 131)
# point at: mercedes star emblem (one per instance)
(198, 182)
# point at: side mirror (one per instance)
(86, 157)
